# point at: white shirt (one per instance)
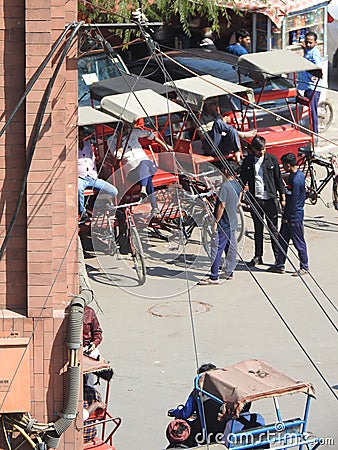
(86, 161)
(134, 152)
(259, 179)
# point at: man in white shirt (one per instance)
(88, 176)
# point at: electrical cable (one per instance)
(31, 149)
(289, 329)
(35, 78)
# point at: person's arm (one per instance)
(280, 184)
(247, 134)
(94, 406)
(166, 146)
(218, 215)
(184, 411)
(292, 200)
(96, 331)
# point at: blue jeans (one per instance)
(294, 231)
(224, 241)
(100, 185)
(143, 174)
(226, 137)
(313, 107)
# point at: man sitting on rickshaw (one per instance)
(136, 164)
(93, 407)
(88, 176)
(190, 412)
(224, 136)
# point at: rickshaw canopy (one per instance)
(250, 380)
(195, 90)
(91, 116)
(123, 84)
(132, 106)
(264, 65)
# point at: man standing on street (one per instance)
(292, 220)
(262, 173)
(308, 82)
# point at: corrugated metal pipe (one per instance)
(74, 342)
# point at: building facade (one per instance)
(38, 163)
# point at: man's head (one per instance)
(289, 161)
(310, 40)
(230, 169)
(258, 146)
(243, 38)
(211, 105)
(206, 367)
(81, 133)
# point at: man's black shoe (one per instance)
(274, 269)
(255, 261)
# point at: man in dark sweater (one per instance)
(261, 172)
(292, 220)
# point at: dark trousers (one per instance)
(313, 107)
(294, 231)
(265, 209)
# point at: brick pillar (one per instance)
(38, 272)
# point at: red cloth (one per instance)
(92, 331)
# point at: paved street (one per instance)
(149, 332)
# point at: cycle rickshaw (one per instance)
(112, 228)
(106, 423)
(267, 66)
(249, 381)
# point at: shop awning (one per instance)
(276, 10)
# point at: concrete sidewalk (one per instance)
(155, 344)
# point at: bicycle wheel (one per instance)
(137, 254)
(103, 234)
(207, 234)
(325, 115)
(311, 194)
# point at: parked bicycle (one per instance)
(307, 162)
(114, 229)
(190, 207)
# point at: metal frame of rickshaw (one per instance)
(278, 63)
(102, 369)
(238, 385)
(194, 92)
(133, 108)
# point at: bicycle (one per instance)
(308, 159)
(114, 227)
(188, 208)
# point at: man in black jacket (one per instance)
(261, 172)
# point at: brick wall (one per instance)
(38, 271)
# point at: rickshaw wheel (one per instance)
(325, 115)
(137, 255)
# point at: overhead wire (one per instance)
(275, 308)
(40, 428)
(254, 207)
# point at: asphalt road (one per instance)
(156, 335)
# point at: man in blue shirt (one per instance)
(242, 44)
(292, 220)
(308, 82)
